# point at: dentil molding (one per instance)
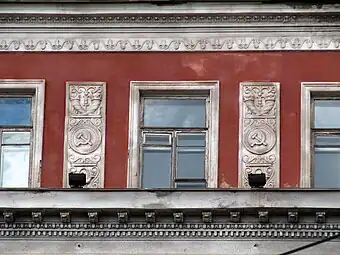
(186, 27)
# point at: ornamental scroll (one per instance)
(85, 131)
(259, 147)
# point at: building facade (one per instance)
(167, 109)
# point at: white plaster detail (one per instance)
(212, 90)
(307, 89)
(84, 145)
(37, 89)
(127, 41)
(144, 27)
(259, 132)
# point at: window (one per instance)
(320, 133)
(173, 135)
(21, 116)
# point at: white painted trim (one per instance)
(307, 88)
(212, 88)
(38, 89)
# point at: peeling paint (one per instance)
(287, 185)
(224, 183)
(197, 65)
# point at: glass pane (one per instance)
(327, 162)
(328, 141)
(174, 113)
(190, 163)
(183, 185)
(14, 166)
(15, 111)
(327, 169)
(156, 172)
(16, 137)
(162, 139)
(191, 140)
(327, 114)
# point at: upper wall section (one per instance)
(185, 27)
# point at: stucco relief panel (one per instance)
(85, 131)
(259, 135)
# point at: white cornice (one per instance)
(189, 27)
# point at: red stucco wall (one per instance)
(288, 68)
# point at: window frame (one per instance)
(208, 89)
(34, 88)
(173, 133)
(309, 92)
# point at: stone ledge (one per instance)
(211, 199)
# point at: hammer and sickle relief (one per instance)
(83, 138)
(260, 139)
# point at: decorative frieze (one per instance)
(178, 217)
(166, 18)
(93, 217)
(320, 217)
(65, 217)
(123, 217)
(37, 217)
(85, 131)
(235, 217)
(263, 216)
(293, 217)
(207, 217)
(125, 30)
(259, 133)
(8, 217)
(150, 217)
(168, 42)
(169, 231)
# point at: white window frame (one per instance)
(308, 91)
(212, 91)
(36, 88)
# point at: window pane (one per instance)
(191, 140)
(327, 114)
(162, 139)
(174, 113)
(184, 185)
(14, 166)
(156, 171)
(16, 137)
(190, 163)
(327, 162)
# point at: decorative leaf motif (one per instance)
(260, 101)
(86, 100)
